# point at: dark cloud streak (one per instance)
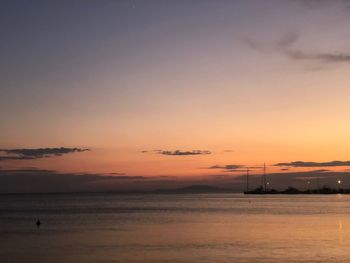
(315, 164)
(182, 153)
(285, 46)
(227, 167)
(37, 153)
(234, 167)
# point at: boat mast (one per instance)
(265, 181)
(247, 179)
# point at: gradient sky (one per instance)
(249, 81)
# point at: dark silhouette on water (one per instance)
(292, 191)
(38, 223)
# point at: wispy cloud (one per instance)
(181, 153)
(315, 164)
(36, 153)
(286, 47)
(336, 57)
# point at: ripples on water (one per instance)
(174, 228)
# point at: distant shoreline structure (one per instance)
(265, 190)
(294, 191)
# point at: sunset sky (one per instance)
(186, 90)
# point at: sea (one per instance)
(171, 228)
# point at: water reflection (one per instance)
(175, 228)
(340, 231)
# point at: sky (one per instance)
(159, 94)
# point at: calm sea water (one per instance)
(174, 228)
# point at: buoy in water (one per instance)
(38, 223)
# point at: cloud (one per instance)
(287, 40)
(119, 174)
(36, 171)
(282, 44)
(285, 169)
(315, 164)
(227, 167)
(285, 47)
(234, 167)
(37, 153)
(181, 153)
(178, 152)
(336, 57)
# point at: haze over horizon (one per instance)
(111, 95)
